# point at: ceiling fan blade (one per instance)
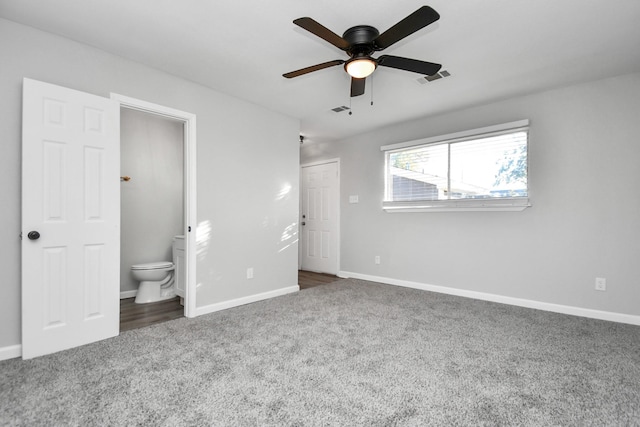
(313, 68)
(407, 64)
(357, 86)
(322, 32)
(409, 25)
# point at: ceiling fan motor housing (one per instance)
(360, 39)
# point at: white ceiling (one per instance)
(494, 49)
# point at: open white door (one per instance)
(319, 223)
(70, 218)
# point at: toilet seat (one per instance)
(161, 265)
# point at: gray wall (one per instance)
(246, 156)
(584, 222)
(151, 152)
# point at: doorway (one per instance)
(320, 217)
(187, 122)
(151, 213)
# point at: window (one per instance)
(481, 169)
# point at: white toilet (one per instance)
(157, 280)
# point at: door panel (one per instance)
(70, 195)
(319, 222)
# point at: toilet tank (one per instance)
(179, 260)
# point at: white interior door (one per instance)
(70, 197)
(319, 218)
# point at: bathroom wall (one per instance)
(151, 152)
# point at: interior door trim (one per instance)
(190, 197)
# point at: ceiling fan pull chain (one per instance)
(371, 89)
(350, 112)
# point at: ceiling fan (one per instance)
(362, 41)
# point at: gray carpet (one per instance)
(351, 353)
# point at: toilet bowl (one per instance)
(156, 281)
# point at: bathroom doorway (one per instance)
(157, 205)
(151, 209)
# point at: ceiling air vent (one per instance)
(436, 76)
(341, 108)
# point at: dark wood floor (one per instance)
(309, 279)
(133, 316)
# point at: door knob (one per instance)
(33, 235)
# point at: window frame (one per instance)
(456, 205)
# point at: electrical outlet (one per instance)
(377, 259)
(601, 284)
(250, 273)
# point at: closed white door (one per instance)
(70, 218)
(319, 223)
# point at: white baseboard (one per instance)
(545, 306)
(10, 352)
(128, 294)
(245, 300)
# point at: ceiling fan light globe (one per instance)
(360, 68)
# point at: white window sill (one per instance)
(475, 205)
